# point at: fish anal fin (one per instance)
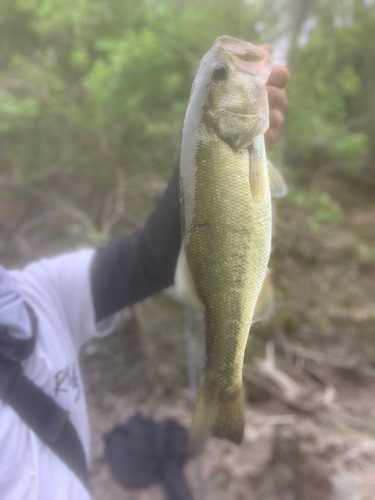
(266, 303)
(205, 414)
(278, 185)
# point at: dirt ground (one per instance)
(323, 269)
(285, 455)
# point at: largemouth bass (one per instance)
(226, 222)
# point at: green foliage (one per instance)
(321, 208)
(330, 86)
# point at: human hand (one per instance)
(277, 99)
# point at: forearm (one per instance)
(141, 264)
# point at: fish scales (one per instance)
(226, 225)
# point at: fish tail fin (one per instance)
(230, 421)
(221, 417)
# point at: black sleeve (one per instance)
(141, 264)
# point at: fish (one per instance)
(226, 221)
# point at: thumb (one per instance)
(268, 48)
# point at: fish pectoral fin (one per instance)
(278, 185)
(184, 283)
(221, 416)
(265, 305)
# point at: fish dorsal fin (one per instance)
(277, 184)
(266, 303)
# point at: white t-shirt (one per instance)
(59, 292)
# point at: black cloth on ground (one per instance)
(142, 452)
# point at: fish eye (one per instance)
(220, 71)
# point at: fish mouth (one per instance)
(247, 57)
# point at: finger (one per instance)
(270, 136)
(279, 76)
(276, 97)
(276, 119)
